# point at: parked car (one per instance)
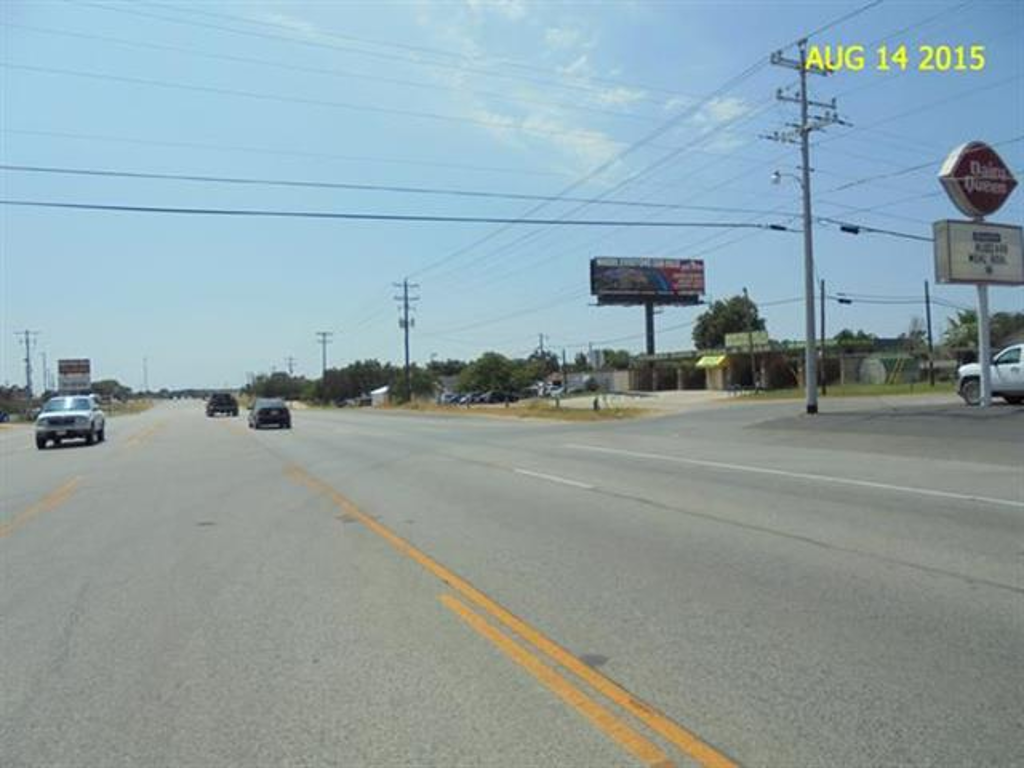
(267, 411)
(222, 402)
(71, 417)
(1007, 372)
(4, 417)
(500, 397)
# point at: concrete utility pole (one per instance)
(27, 338)
(46, 383)
(802, 131)
(323, 338)
(405, 322)
(145, 374)
(750, 342)
(824, 349)
(931, 348)
(290, 362)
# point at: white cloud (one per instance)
(303, 28)
(675, 103)
(620, 96)
(580, 67)
(513, 10)
(587, 146)
(562, 38)
(722, 110)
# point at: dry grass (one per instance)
(526, 410)
(127, 407)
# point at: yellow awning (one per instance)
(711, 361)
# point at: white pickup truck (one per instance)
(1007, 371)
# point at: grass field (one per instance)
(528, 410)
(856, 390)
(127, 407)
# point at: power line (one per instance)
(441, 191)
(338, 73)
(272, 151)
(418, 50)
(251, 212)
(418, 60)
(908, 170)
(507, 124)
(693, 109)
(533, 236)
(842, 19)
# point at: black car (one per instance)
(222, 402)
(267, 411)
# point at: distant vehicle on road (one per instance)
(222, 402)
(71, 417)
(4, 417)
(1007, 372)
(267, 411)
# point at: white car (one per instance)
(1007, 372)
(69, 417)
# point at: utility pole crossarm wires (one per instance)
(323, 338)
(405, 323)
(801, 132)
(27, 338)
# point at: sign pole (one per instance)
(978, 182)
(984, 347)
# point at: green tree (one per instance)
(446, 367)
(731, 315)
(423, 382)
(111, 388)
(278, 384)
(616, 359)
(491, 371)
(581, 363)
(962, 331)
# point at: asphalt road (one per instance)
(733, 585)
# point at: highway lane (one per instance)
(206, 595)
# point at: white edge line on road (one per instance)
(800, 475)
(553, 478)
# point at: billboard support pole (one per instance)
(649, 326)
(931, 345)
(649, 323)
(984, 347)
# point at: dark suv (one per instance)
(222, 402)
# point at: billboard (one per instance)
(74, 375)
(641, 281)
(972, 252)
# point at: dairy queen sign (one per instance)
(976, 179)
(978, 252)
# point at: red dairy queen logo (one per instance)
(976, 179)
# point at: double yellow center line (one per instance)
(619, 731)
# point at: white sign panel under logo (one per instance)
(971, 252)
(74, 375)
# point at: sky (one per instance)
(663, 103)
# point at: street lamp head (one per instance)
(776, 177)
